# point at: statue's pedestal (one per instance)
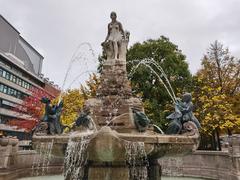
(114, 102)
(114, 79)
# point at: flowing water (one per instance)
(76, 158)
(160, 74)
(136, 159)
(41, 162)
(81, 58)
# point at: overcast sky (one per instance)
(56, 27)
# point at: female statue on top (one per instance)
(115, 36)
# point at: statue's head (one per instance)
(45, 100)
(113, 15)
(187, 97)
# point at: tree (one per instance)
(32, 107)
(32, 104)
(145, 83)
(73, 100)
(73, 103)
(216, 90)
(90, 89)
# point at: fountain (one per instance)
(117, 148)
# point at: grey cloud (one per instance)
(56, 27)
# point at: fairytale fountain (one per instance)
(120, 146)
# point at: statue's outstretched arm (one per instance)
(188, 109)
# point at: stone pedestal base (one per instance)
(108, 171)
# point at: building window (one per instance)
(4, 74)
(19, 82)
(12, 92)
(19, 95)
(9, 76)
(1, 72)
(1, 87)
(7, 104)
(5, 89)
(14, 79)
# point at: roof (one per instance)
(21, 36)
(32, 47)
(14, 60)
(9, 24)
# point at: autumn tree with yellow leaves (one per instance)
(73, 99)
(216, 90)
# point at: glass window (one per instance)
(1, 87)
(5, 89)
(15, 93)
(14, 79)
(19, 82)
(8, 90)
(7, 75)
(1, 72)
(11, 92)
(18, 94)
(11, 77)
(4, 74)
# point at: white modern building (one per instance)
(20, 70)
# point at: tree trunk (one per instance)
(229, 132)
(214, 141)
(218, 140)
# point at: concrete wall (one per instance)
(206, 164)
(15, 164)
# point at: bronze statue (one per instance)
(50, 123)
(183, 114)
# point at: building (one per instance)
(20, 70)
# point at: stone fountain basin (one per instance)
(107, 145)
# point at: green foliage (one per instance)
(146, 85)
